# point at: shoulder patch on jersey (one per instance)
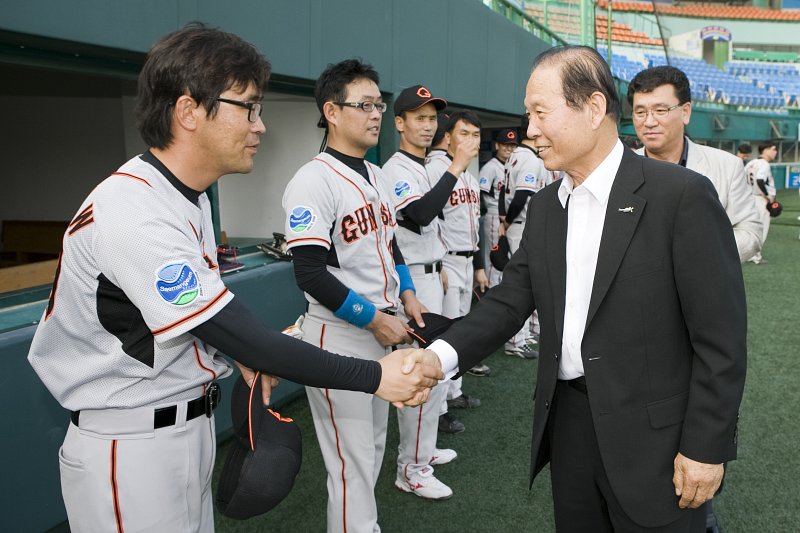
(402, 189)
(484, 180)
(530, 178)
(301, 219)
(177, 283)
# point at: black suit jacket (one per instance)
(664, 351)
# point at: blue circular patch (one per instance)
(177, 284)
(402, 189)
(530, 178)
(301, 219)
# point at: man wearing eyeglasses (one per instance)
(138, 311)
(340, 227)
(662, 108)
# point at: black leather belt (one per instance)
(462, 254)
(579, 384)
(433, 267)
(392, 312)
(165, 416)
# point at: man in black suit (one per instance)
(633, 267)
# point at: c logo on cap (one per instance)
(422, 92)
(511, 135)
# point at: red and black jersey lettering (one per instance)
(386, 216)
(358, 224)
(83, 219)
(463, 196)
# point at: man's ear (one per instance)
(331, 112)
(399, 124)
(598, 107)
(186, 112)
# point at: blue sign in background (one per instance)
(793, 177)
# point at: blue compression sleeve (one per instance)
(405, 279)
(356, 310)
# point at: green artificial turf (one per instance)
(490, 477)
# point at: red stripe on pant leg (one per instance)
(419, 430)
(114, 492)
(338, 444)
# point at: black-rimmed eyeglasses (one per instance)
(367, 107)
(253, 108)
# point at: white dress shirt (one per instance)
(585, 220)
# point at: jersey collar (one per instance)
(189, 193)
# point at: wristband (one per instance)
(356, 310)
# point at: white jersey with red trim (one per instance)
(137, 272)
(329, 204)
(406, 182)
(524, 172)
(759, 169)
(492, 178)
(462, 211)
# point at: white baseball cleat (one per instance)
(443, 456)
(423, 484)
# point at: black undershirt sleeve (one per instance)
(236, 332)
(501, 202)
(422, 212)
(311, 273)
(517, 204)
(763, 186)
(484, 194)
(397, 254)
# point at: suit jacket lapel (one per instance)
(556, 233)
(622, 216)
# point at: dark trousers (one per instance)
(582, 496)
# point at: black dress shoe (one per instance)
(448, 424)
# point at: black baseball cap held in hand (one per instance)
(435, 325)
(414, 97)
(264, 459)
(500, 253)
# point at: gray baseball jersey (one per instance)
(137, 272)
(407, 181)
(524, 172)
(759, 169)
(492, 177)
(329, 204)
(462, 211)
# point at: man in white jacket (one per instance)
(662, 107)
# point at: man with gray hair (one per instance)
(643, 353)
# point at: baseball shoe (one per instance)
(423, 484)
(448, 424)
(523, 353)
(464, 402)
(442, 456)
(531, 343)
(480, 370)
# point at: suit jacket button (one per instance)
(547, 404)
(555, 355)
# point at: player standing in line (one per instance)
(492, 178)
(460, 229)
(525, 175)
(417, 206)
(759, 176)
(340, 227)
(128, 341)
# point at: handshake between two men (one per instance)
(408, 376)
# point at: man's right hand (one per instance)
(465, 152)
(408, 375)
(389, 330)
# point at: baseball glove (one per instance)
(774, 207)
(278, 249)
